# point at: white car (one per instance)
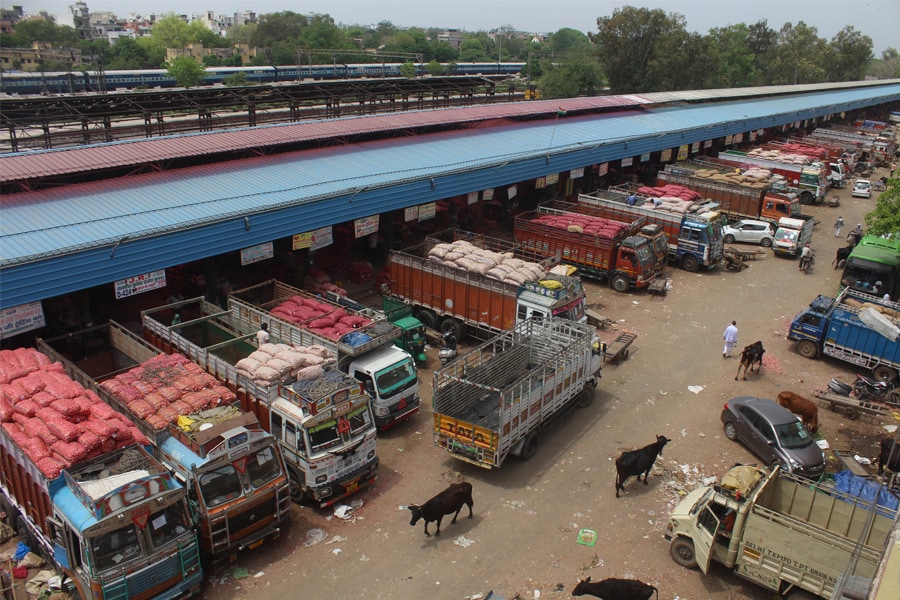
(862, 189)
(750, 232)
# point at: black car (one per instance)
(774, 434)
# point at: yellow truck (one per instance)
(790, 535)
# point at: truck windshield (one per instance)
(660, 246)
(115, 548)
(646, 258)
(220, 485)
(167, 524)
(395, 378)
(263, 466)
(793, 435)
(360, 420)
(324, 436)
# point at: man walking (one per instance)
(730, 337)
(838, 225)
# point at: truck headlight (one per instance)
(321, 478)
(382, 411)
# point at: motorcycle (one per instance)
(448, 351)
(870, 389)
(807, 263)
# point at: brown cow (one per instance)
(800, 406)
(749, 355)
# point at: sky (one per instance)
(878, 19)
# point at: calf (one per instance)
(800, 406)
(889, 457)
(615, 589)
(842, 254)
(750, 355)
(450, 500)
(637, 462)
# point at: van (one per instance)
(791, 236)
(838, 174)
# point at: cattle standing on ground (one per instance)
(842, 255)
(615, 589)
(750, 355)
(800, 406)
(449, 501)
(889, 457)
(636, 462)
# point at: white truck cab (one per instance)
(792, 235)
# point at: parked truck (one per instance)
(115, 525)
(809, 181)
(234, 472)
(873, 267)
(695, 239)
(736, 200)
(839, 327)
(624, 259)
(497, 399)
(465, 302)
(326, 429)
(781, 532)
(367, 353)
(791, 235)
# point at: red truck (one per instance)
(612, 252)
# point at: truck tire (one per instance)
(806, 198)
(690, 263)
(682, 552)
(529, 448)
(619, 283)
(585, 397)
(807, 349)
(295, 485)
(884, 373)
(451, 325)
(428, 318)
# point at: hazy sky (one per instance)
(879, 19)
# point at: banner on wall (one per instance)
(411, 213)
(682, 152)
(738, 138)
(18, 319)
(312, 239)
(665, 155)
(603, 169)
(427, 211)
(256, 253)
(695, 147)
(627, 161)
(512, 190)
(729, 139)
(576, 173)
(365, 226)
(540, 183)
(552, 179)
(141, 283)
(752, 136)
(707, 144)
(645, 157)
(487, 194)
(472, 198)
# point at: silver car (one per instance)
(750, 232)
(774, 434)
(862, 189)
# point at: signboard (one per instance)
(707, 144)
(24, 317)
(729, 139)
(665, 155)
(695, 147)
(301, 240)
(411, 213)
(627, 161)
(472, 198)
(552, 179)
(603, 169)
(738, 138)
(257, 253)
(512, 190)
(140, 284)
(540, 183)
(427, 211)
(365, 226)
(487, 194)
(321, 238)
(682, 152)
(576, 173)
(645, 157)
(752, 136)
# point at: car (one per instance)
(862, 189)
(774, 434)
(750, 232)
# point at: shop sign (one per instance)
(576, 173)
(666, 155)
(540, 183)
(645, 157)
(682, 152)
(411, 213)
(257, 253)
(603, 169)
(627, 161)
(472, 198)
(321, 238)
(365, 226)
(140, 284)
(552, 179)
(427, 211)
(487, 194)
(24, 317)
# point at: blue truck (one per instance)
(845, 328)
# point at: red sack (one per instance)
(140, 408)
(138, 437)
(103, 411)
(73, 452)
(66, 407)
(100, 427)
(51, 467)
(156, 400)
(26, 407)
(168, 413)
(47, 414)
(44, 399)
(35, 449)
(37, 428)
(90, 440)
(170, 393)
(6, 410)
(155, 421)
(181, 408)
(64, 430)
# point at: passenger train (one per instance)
(51, 83)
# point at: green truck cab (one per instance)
(413, 339)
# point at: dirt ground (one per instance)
(523, 538)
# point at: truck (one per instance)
(465, 302)
(873, 267)
(115, 524)
(497, 399)
(791, 235)
(809, 181)
(840, 327)
(782, 532)
(736, 200)
(695, 239)
(624, 259)
(237, 483)
(367, 353)
(325, 459)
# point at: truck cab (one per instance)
(791, 236)
(658, 240)
(389, 376)
(775, 206)
(636, 260)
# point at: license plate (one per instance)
(256, 544)
(352, 487)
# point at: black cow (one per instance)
(450, 500)
(889, 457)
(842, 255)
(615, 589)
(637, 462)
(750, 355)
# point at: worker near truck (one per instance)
(805, 255)
(262, 336)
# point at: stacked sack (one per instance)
(794, 159)
(53, 419)
(755, 177)
(273, 363)
(166, 386)
(672, 197)
(500, 266)
(814, 151)
(318, 282)
(322, 318)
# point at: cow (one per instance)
(842, 255)
(615, 589)
(889, 456)
(750, 355)
(637, 462)
(449, 501)
(800, 406)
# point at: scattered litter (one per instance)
(890, 428)
(823, 444)
(587, 537)
(477, 596)
(651, 512)
(463, 541)
(709, 480)
(695, 388)
(342, 511)
(240, 573)
(363, 558)
(314, 536)
(258, 575)
(662, 393)
(336, 551)
(336, 539)
(862, 459)
(356, 503)
(537, 593)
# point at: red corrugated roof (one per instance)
(119, 154)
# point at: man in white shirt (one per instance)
(730, 337)
(262, 336)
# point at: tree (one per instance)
(186, 71)
(435, 68)
(580, 76)
(851, 53)
(472, 50)
(885, 219)
(736, 60)
(569, 42)
(800, 57)
(888, 66)
(127, 54)
(408, 70)
(278, 27)
(236, 80)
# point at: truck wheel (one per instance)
(451, 325)
(884, 373)
(807, 349)
(806, 198)
(295, 484)
(730, 431)
(682, 552)
(585, 397)
(690, 263)
(529, 448)
(619, 283)
(428, 318)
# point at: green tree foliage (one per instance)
(41, 30)
(127, 54)
(278, 27)
(885, 219)
(408, 70)
(734, 55)
(577, 77)
(435, 68)
(800, 57)
(186, 71)
(236, 79)
(888, 66)
(568, 42)
(850, 53)
(472, 50)
(241, 34)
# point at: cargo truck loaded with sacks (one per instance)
(82, 490)
(233, 471)
(321, 417)
(480, 285)
(807, 179)
(497, 399)
(360, 342)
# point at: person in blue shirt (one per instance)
(631, 200)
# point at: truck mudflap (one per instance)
(467, 441)
(347, 486)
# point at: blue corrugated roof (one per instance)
(70, 238)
